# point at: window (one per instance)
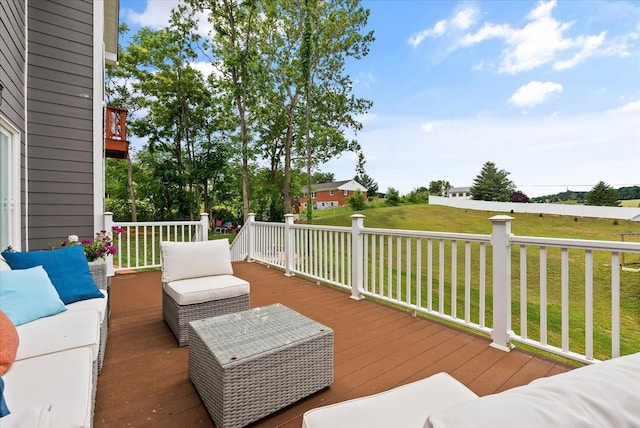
(9, 186)
(345, 192)
(330, 192)
(313, 194)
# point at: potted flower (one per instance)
(96, 250)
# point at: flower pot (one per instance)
(98, 270)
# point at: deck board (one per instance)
(145, 381)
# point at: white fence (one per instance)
(560, 295)
(139, 245)
(622, 213)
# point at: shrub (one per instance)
(357, 202)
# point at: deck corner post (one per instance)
(251, 238)
(204, 226)
(107, 221)
(288, 245)
(501, 243)
(357, 268)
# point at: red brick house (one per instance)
(331, 195)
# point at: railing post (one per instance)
(204, 226)
(251, 239)
(108, 226)
(357, 224)
(288, 245)
(501, 242)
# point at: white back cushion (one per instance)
(183, 260)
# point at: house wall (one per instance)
(12, 68)
(60, 121)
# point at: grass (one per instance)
(632, 203)
(447, 219)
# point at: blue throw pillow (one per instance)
(4, 411)
(67, 267)
(27, 295)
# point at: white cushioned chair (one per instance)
(197, 283)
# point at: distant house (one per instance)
(459, 192)
(331, 195)
(53, 58)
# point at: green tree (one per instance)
(492, 184)
(439, 187)
(363, 178)
(393, 197)
(603, 195)
(357, 201)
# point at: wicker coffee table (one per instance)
(247, 365)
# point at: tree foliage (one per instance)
(393, 197)
(518, 196)
(492, 184)
(357, 201)
(275, 103)
(603, 195)
(439, 187)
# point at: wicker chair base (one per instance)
(177, 316)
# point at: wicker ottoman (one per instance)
(249, 364)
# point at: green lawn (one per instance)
(446, 219)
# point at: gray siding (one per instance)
(12, 65)
(60, 122)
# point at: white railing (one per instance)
(139, 245)
(567, 293)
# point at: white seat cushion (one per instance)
(406, 406)
(62, 380)
(182, 260)
(99, 305)
(66, 330)
(206, 289)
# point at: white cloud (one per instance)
(542, 40)
(155, 15)
(158, 13)
(632, 107)
(462, 20)
(534, 93)
(589, 44)
(428, 127)
(365, 79)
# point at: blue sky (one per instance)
(547, 90)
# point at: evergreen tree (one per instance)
(492, 184)
(603, 195)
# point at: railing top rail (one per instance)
(319, 227)
(268, 223)
(429, 234)
(583, 244)
(159, 223)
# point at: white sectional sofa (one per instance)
(52, 381)
(604, 394)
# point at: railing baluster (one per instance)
(441, 277)
(454, 278)
(564, 298)
(523, 291)
(588, 304)
(615, 305)
(467, 282)
(543, 295)
(430, 274)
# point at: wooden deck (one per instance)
(145, 381)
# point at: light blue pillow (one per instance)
(67, 267)
(27, 295)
